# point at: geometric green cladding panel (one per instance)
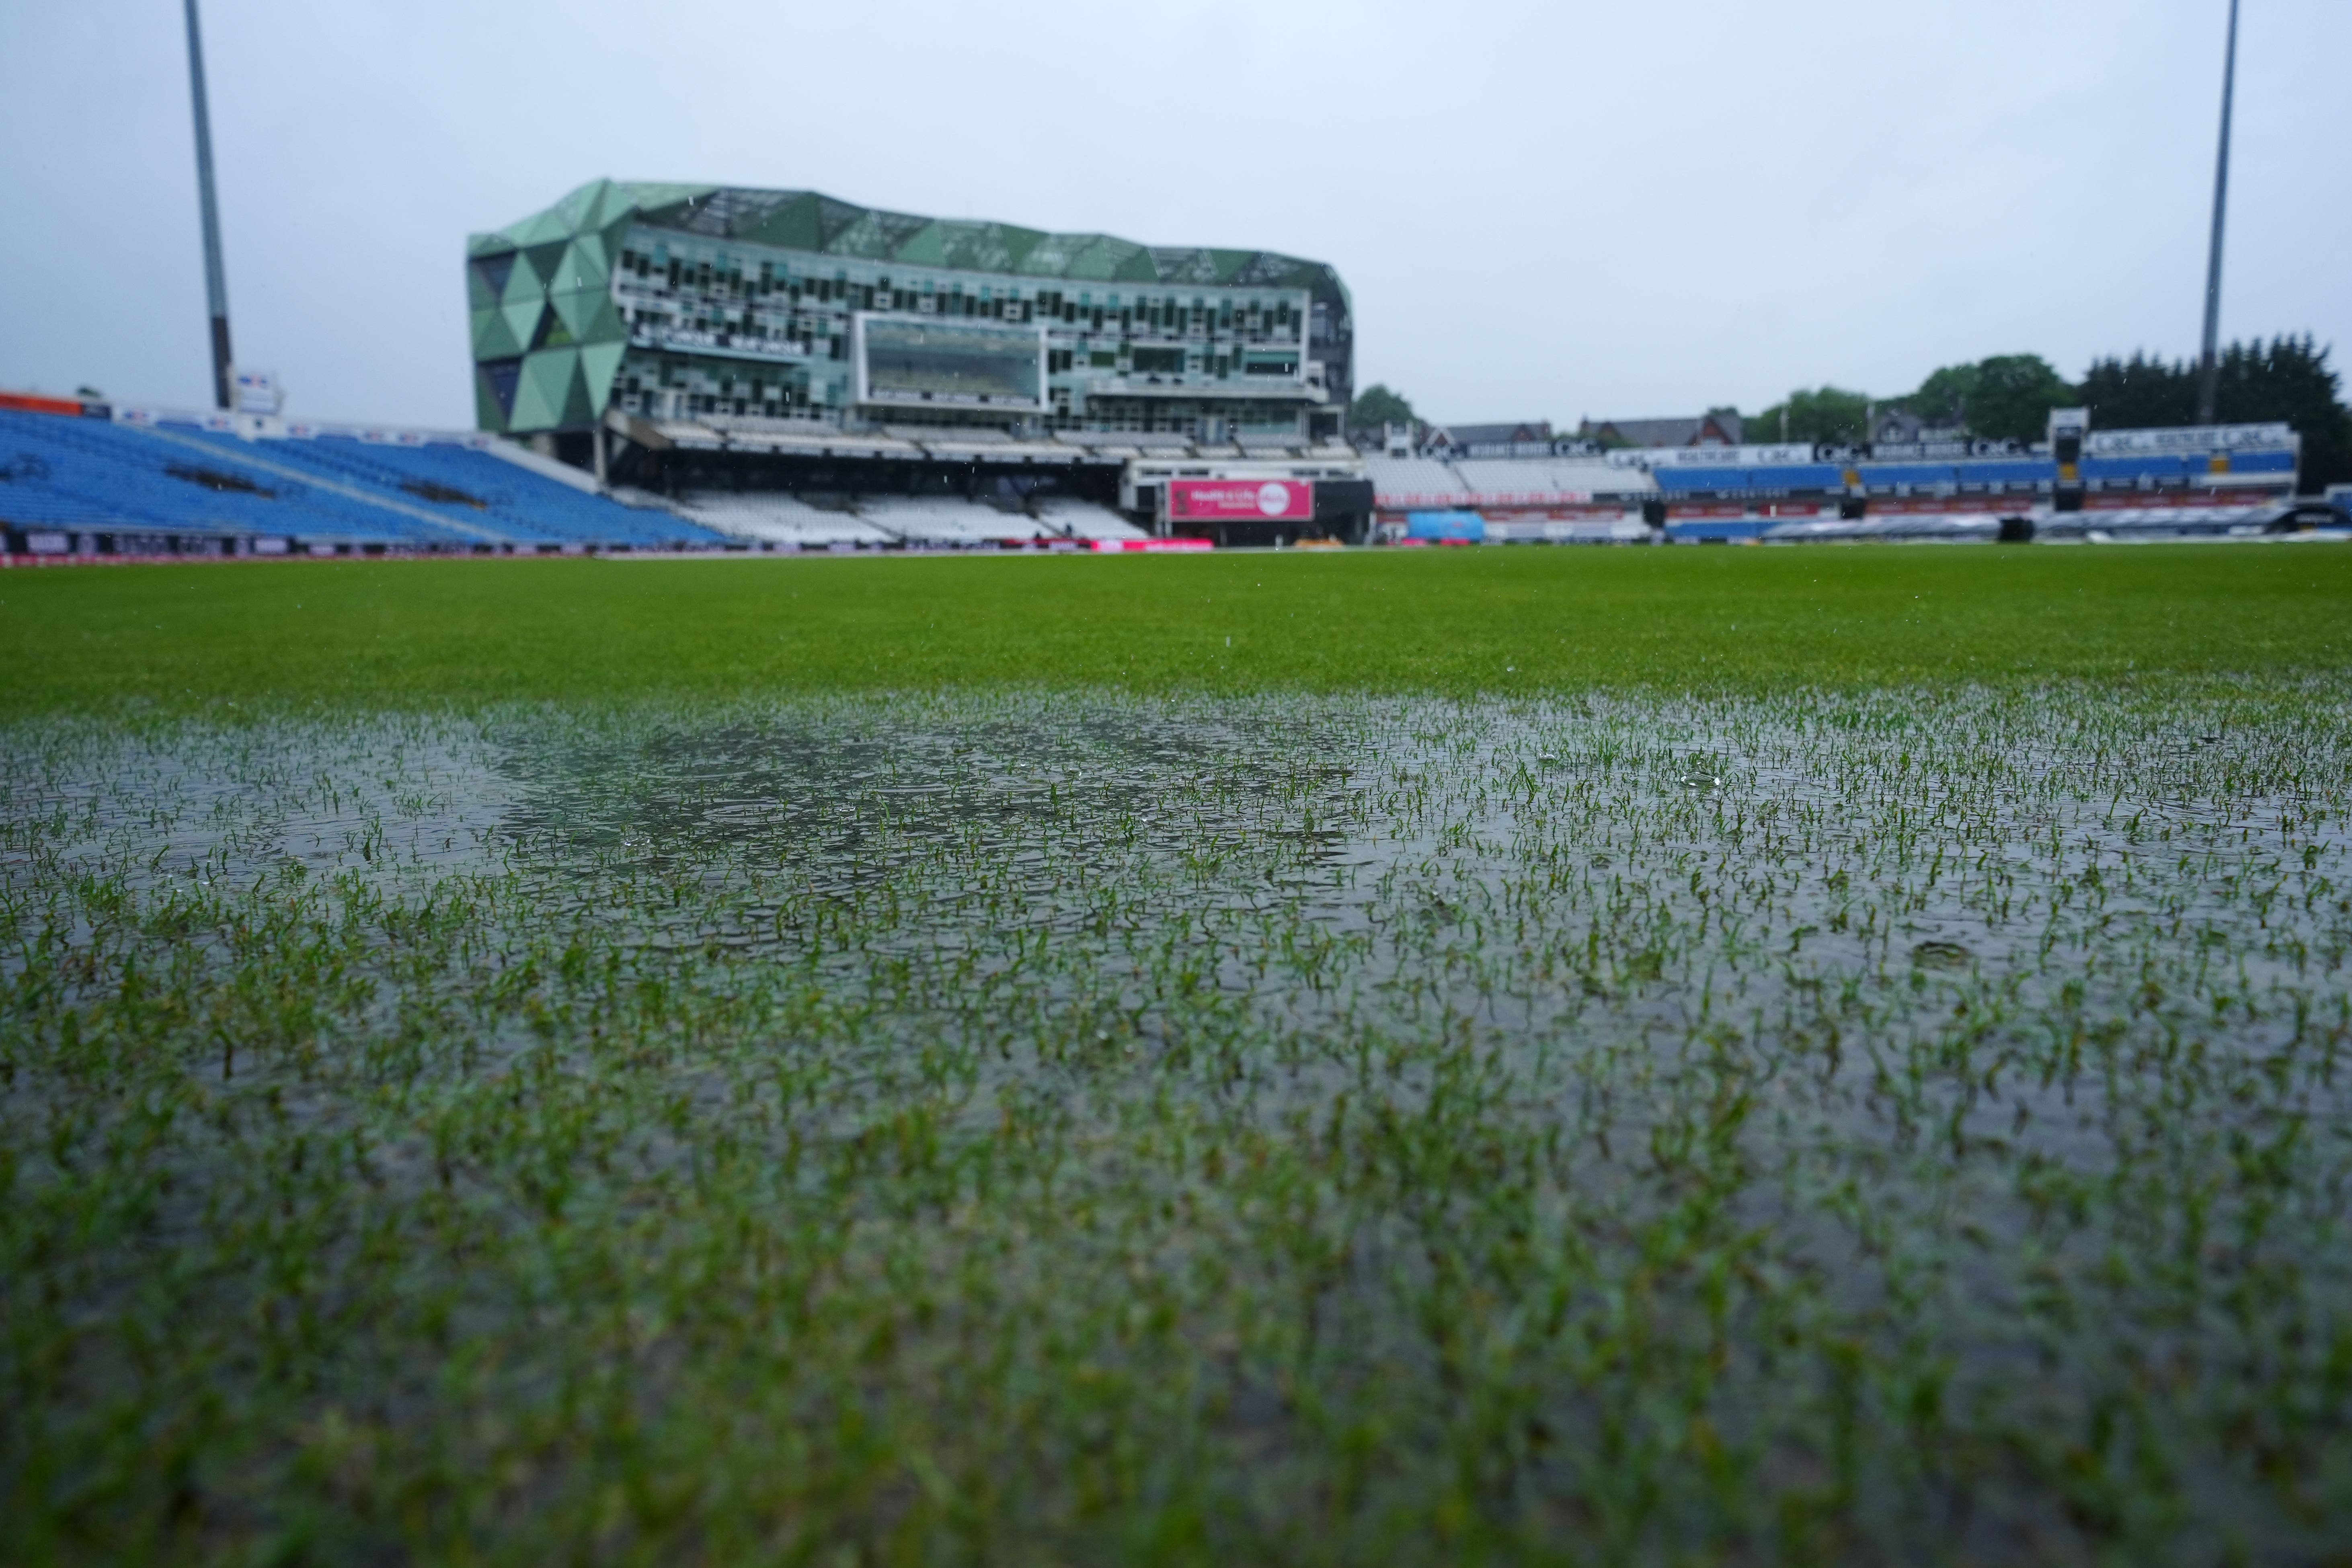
(546, 263)
(488, 415)
(584, 265)
(552, 331)
(579, 408)
(522, 321)
(574, 308)
(495, 381)
(599, 363)
(542, 393)
(588, 315)
(606, 325)
(539, 291)
(487, 278)
(524, 283)
(493, 339)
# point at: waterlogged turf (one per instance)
(1897, 1126)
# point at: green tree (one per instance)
(2139, 393)
(2012, 397)
(1828, 414)
(1944, 397)
(2288, 380)
(2005, 399)
(1376, 405)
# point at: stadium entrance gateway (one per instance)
(688, 339)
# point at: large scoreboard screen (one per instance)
(907, 360)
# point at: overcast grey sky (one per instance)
(1542, 210)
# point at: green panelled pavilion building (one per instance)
(668, 303)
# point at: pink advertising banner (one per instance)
(1220, 500)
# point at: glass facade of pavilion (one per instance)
(674, 303)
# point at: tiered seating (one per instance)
(94, 476)
(1599, 478)
(1502, 475)
(480, 494)
(774, 518)
(88, 473)
(1707, 482)
(945, 520)
(877, 522)
(1542, 476)
(1798, 477)
(1413, 477)
(1884, 479)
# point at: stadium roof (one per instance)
(1705, 430)
(820, 225)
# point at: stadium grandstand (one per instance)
(81, 479)
(698, 367)
(84, 480)
(2209, 480)
(668, 301)
(790, 370)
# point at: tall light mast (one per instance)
(2208, 368)
(216, 275)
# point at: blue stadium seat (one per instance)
(91, 475)
(478, 490)
(2159, 468)
(1701, 481)
(1799, 477)
(94, 475)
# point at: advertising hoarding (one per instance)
(1234, 500)
(1711, 456)
(2200, 438)
(257, 391)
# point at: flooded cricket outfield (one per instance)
(1088, 1128)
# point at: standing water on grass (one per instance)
(1909, 1127)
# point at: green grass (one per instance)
(1454, 622)
(601, 1063)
